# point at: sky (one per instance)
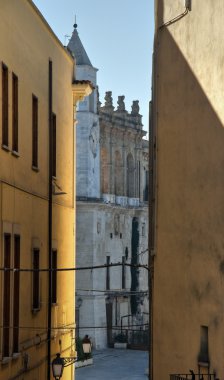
(118, 38)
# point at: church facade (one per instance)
(112, 225)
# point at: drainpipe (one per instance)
(49, 221)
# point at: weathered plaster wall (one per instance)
(188, 100)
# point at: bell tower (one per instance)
(87, 132)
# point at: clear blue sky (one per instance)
(117, 36)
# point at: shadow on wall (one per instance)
(190, 211)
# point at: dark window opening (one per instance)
(54, 276)
(123, 273)
(16, 295)
(146, 189)
(36, 279)
(5, 104)
(108, 274)
(6, 296)
(126, 253)
(111, 235)
(120, 236)
(35, 132)
(14, 113)
(203, 356)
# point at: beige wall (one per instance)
(26, 45)
(188, 266)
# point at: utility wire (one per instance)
(74, 268)
(71, 327)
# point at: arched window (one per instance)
(105, 172)
(118, 174)
(130, 176)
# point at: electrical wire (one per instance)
(74, 268)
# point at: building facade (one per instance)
(38, 94)
(112, 167)
(188, 136)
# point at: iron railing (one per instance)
(193, 376)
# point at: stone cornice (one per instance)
(81, 89)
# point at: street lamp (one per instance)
(57, 367)
(59, 363)
(86, 346)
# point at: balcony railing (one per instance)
(193, 376)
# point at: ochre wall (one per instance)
(27, 45)
(188, 117)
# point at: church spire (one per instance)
(76, 47)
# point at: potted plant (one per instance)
(120, 340)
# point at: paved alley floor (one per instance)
(115, 364)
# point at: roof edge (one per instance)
(38, 12)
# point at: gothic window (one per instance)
(118, 174)
(130, 176)
(105, 171)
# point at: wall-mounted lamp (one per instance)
(188, 4)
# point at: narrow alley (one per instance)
(111, 364)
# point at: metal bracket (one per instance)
(69, 361)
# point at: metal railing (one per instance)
(193, 376)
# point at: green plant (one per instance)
(120, 338)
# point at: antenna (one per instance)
(66, 36)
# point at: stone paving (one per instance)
(115, 364)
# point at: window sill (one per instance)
(6, 360)
(35, 169)
(35, 311)
(16, 355)
(6, 148)
(15, 153)
(203, 364)
(54, 304)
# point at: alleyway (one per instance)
(112, 364)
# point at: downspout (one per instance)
(49, 221)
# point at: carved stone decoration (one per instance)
(135, 108)
(94, 139)
(98, 100)
(109, 100)
(121, 105)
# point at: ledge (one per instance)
(84, 363)
(5, 147)
(120, 345)
(15, 153)
(81, 89)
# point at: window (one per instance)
(54, 145)
(143, 229)
(14, 113)
(6, 296)
(123, 285)
(203, 356)
(108, 274)
(36, 279)
(130, 176)
(146, 189)
(54, 276)
(5, 103)
(35, 132)
(16, 294)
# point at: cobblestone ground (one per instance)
(115, 364)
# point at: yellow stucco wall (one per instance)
(188, 117)
(26, 46)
